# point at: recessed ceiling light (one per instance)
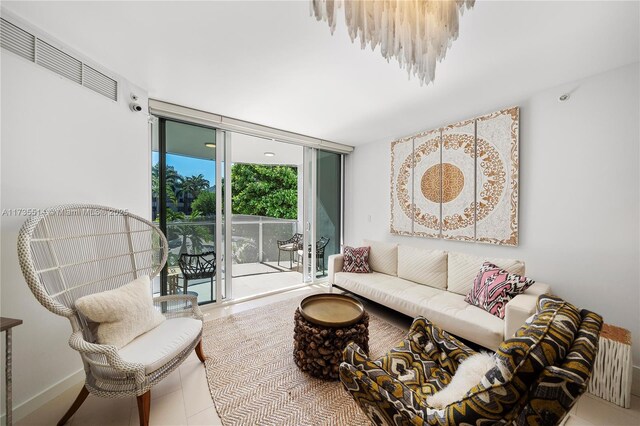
(210, 145)
(269, 154)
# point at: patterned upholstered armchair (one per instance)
(542, 371)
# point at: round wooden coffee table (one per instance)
(324, 325)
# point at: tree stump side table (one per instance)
(318, 345)
(612, 369)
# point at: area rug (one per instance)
(254, 381)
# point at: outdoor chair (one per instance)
(292, 245)
(72, 251)
(320, 246)
(197, 267)
(541, 372)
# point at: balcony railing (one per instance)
(254, 238)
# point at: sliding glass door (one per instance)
(322, 210)
(185, 196)
(243, 215)
(328, 222)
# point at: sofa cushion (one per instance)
(445, 309)
(356, 259)
(393, 292)
(383, 257)
(494, 287)
(463, 268)
(428, 267)
(450, 311)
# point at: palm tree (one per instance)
(173, 181)
(191, 187)
(188, 229)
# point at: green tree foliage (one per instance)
(205, 203)
(265, 190)
(193, 235)
(174, 181)
(191, 188)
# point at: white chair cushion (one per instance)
(158, 346)
(383, 257)
(122, 314)
(463, 269)
(428, 267)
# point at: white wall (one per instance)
(579, 194)
(60, 143)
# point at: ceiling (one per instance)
(271, 63)
(189, 140)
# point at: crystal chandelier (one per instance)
(415, 32)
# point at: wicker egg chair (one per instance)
(71, 251)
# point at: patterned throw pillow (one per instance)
(494, 287)
(356, 259)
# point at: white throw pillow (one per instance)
(428, 267)
(383, 257)
(469, 373)
(122, 314)
(463, 268)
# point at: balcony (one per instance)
(254, 252)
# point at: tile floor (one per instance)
(183, 397)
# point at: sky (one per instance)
(189, 166)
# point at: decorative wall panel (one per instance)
(427, 184)
(459, 182)
(497, 172)
(402, 187)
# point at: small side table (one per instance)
(612, 370)
(324, 325)
(6, 324)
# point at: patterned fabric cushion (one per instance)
(463, 268)
(494, 287)
(356, 259)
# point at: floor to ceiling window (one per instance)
(184, 164)
(259, 197)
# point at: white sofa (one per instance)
(433, 284)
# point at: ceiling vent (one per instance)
(34, 49)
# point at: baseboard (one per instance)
(30, 405)
(635, 381)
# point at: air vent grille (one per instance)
(25, 44)
(58, 61)
(17, 40)
(99, 82)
